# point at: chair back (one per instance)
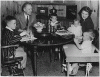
(7, 53)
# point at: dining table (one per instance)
(45, 39)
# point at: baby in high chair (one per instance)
(85, 47)
(76, 29)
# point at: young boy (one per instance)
(53, 22)
(9, 38)
(76, 29)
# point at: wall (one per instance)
(13, 7)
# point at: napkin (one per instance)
(23, 33)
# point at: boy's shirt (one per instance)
(9, 38)
(75, 30)
(86, 46)
(56, 24)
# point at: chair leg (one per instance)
(18, 71)
(10, 70)
(50, 53)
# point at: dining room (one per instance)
(50, 38)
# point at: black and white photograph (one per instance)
(49, 38)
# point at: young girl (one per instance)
(76, 29)
(85, 47)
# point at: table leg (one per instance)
(67, 69)
(50, 54)
(34, 60)
(62, 55)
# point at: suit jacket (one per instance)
(9, 38)
(21, 22)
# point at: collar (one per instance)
(9, 28)
(54, 22)
(26, 16)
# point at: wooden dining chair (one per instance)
(11, 61)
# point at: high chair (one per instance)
(75, 55)
(11, 62)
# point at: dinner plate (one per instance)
(63, 32)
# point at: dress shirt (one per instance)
(26, 16)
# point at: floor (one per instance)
(45, 68)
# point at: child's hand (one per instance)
(76, 40)
(23, 33)
(79, 38)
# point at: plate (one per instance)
(62, 31)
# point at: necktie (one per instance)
(27, 21)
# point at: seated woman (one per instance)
(9, 38)
(53, 22)
(85, 47)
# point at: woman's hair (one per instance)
(87, 9)
(24, 5)
(9, 18)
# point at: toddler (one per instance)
(76, 29)
(85, 47)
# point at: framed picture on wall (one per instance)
(71, 12)
(42, 12)
(61, 10)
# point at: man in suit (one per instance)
(26, 19)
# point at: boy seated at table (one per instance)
(76, 29)
(53, 22)
(85, 47)
(9, 38)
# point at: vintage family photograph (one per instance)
(50, 38)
